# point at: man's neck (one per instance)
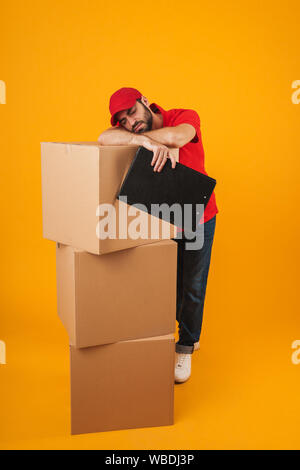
(157, 120)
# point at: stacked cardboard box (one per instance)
(116, 296)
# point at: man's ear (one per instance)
(145, 101)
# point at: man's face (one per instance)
(137, 119)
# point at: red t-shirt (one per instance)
(192, 153)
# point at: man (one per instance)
(137, 122)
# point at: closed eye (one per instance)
(130, 112)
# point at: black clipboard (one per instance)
(189, 189)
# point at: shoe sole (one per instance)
(178, 381)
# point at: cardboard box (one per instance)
(77, 180)
(129, 384)
(119, 296)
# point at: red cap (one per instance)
(124, 98)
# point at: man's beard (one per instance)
(146, 121)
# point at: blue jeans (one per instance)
(192, 272)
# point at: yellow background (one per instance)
(234, 63)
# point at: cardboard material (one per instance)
(79, 177)
(128, 384)
(118, 296)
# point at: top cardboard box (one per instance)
(78, 178)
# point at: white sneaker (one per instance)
(183, 367)
(196, 346)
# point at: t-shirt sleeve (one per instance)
(189, 116)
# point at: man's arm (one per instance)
(117, 136)
(176, 136)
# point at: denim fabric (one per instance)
(192, 272)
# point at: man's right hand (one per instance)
(160, 153)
